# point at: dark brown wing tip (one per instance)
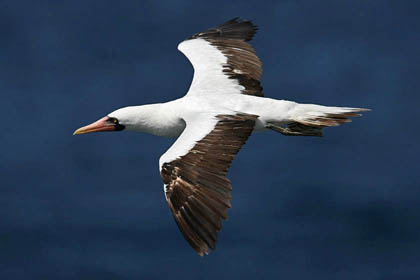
(203, 253)
(236, 28)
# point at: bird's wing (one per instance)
(194, 175)
(223, 61)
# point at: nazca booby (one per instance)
(223, 107)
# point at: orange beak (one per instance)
(99, 125)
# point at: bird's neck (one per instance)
(158, 119)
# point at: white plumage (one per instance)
(208, 62)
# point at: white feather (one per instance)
(198, 126)
(208, 62)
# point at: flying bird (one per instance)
(222, 108)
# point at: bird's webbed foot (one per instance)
(296, 129)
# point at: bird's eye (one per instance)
(112, 120)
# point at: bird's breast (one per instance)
(172, 129)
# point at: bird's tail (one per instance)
(317, 115)
(309, 119)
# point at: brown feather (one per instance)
(242, 64)
(196, 188)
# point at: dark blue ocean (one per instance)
(344, 206)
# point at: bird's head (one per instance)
(118, 120)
